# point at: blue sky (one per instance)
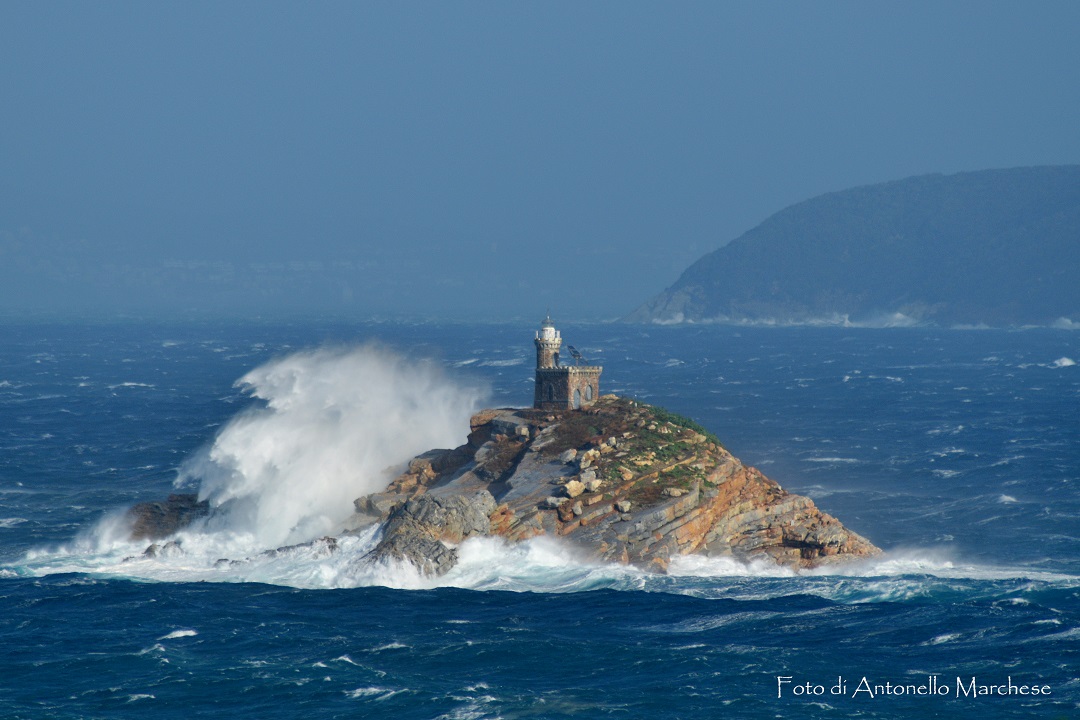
(481, 160)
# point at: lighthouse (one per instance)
(562, 386)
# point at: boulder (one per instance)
(574, 488)
(156, 520)
(424, 530)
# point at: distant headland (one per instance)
(993, 248)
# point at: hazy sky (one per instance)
(478, 159)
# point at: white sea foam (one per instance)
(1063, 362)
(179, 634)
(549, 565)
(503, 363)
(942, 639)
(140, 696)
(701, 566)
(378, 693)
(333, 423)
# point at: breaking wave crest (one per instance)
(328, 426)
(333, 422)
(548, 565)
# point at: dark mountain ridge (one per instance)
(995, 247)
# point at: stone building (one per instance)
(558, 386)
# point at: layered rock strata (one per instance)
(622, 481)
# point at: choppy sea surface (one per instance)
(957, 452)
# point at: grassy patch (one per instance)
(666, 416)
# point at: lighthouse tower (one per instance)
(558, 386)
(548, 341)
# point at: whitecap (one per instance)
(502, 363)
(346, 659)
(701, 566)
(1007, 461)
(179, 634)
(1062, 362)
(11, 522)
(140, 696)
(942, 639)
(369, 692)
(1007, 499)
(389, 646)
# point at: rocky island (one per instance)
(620, 480)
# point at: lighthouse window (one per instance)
(577, 399)
(550, 392)
(588, 393)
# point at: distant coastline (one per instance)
(995, 248)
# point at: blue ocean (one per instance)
(956, 451)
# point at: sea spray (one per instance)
(333, 425)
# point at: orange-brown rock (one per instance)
(646, 485)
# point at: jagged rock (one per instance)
(380, 505)
(169, 549)
(574, 488)
(155, 520)
(424, 530)
(729, 509)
